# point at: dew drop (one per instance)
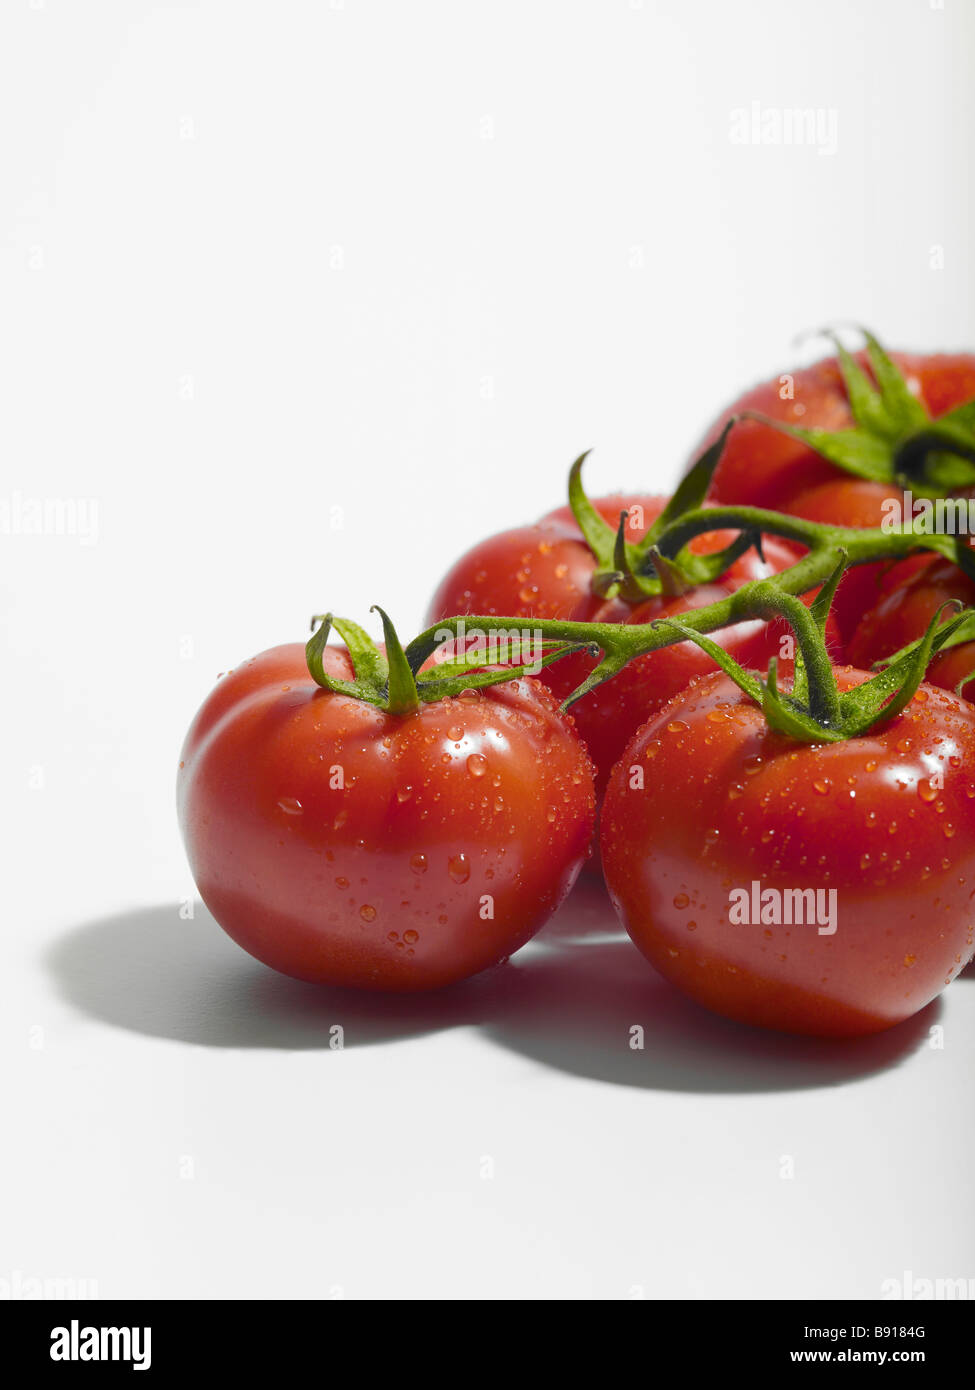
(459, 868)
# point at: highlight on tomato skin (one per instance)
(344, 845)
(884, 822)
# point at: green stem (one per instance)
(824, 699)
(827, 547)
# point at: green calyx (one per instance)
(637, 570)
(954, 633)
(388, 680)
(827, 548)
(894, 439)
(816, 710)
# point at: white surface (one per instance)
(263, 262)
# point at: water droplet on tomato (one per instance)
(458, 868)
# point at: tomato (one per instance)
(345, 845)
(540, 571)
(707, 801)
(763, 467)
(902, 614)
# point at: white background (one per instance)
(305, 298)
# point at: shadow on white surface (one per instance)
(568, 1001)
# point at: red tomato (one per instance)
(540, 571)
(344, 845)
(902, 614)
(885, 821)
(762, 467)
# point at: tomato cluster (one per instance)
(357, 817)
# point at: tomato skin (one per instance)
(953, 670)
(859, 816)
(904, 611)
(762, 467)
(380, 885)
